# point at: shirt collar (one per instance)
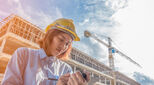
(43, 55)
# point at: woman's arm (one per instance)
(15, 69)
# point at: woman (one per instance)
(44, 66)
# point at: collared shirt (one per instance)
(33, 67)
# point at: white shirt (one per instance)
(33, 67)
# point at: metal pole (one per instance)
(111, 61)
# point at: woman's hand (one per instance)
(77, 79)
(63, 79)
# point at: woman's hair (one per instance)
(47, 39)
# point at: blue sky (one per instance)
(128, 22)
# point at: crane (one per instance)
(111, 50)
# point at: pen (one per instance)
(53, 79)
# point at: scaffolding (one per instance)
(16, 32)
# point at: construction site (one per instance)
(17, 32)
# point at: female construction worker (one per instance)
(45, 66)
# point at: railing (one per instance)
(88, 62)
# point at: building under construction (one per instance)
(16, 32)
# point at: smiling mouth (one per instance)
(58, 50)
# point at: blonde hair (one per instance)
(45, 42)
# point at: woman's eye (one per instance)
(67, 44)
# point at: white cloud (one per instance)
(135, 35)
(44, 19)
(98, 20)
(35, 16)
(83, 46)
(17, 1)
(2, 13)
(84, 22)
(116, 4)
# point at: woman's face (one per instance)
(59, 44)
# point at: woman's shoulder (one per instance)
(27, 53)
(22, 48)
(25, 50)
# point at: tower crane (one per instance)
(111, 50)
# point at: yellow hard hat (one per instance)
(65, 25)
